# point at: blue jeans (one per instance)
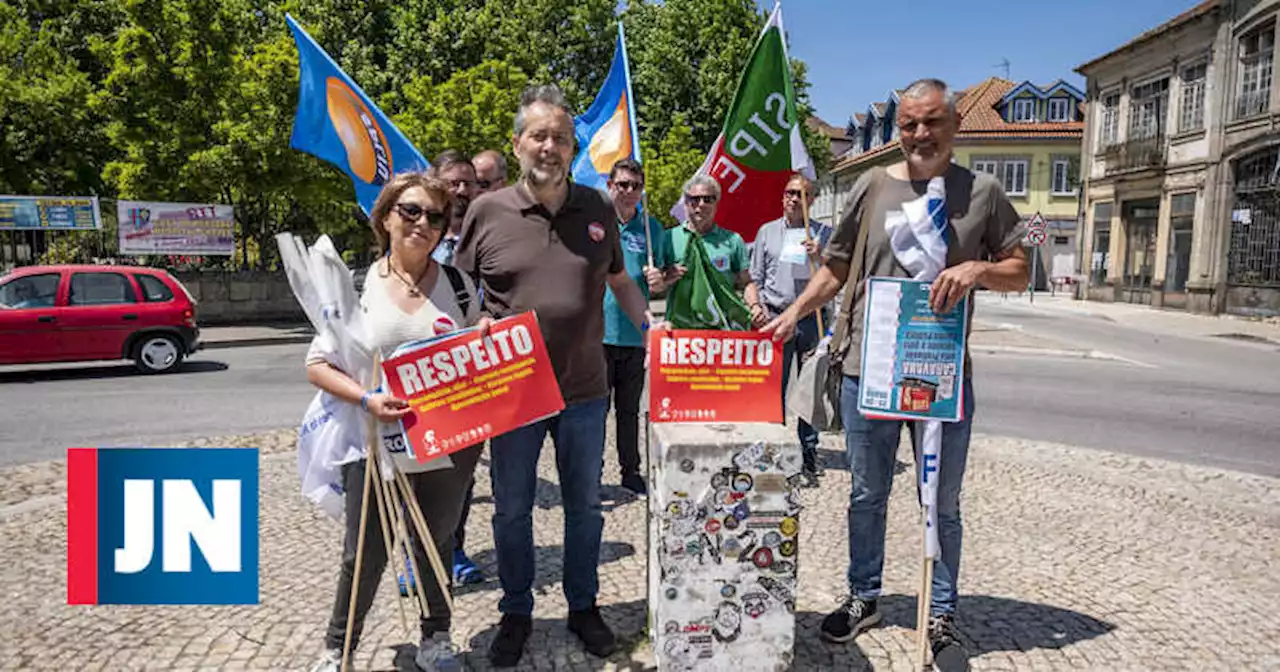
(872, 445)
(805, 340)
(578, 433)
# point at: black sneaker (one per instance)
(635, 483)
(809, 479)
(853, 616)
(508, 644)
(948, 653)
(591, 629)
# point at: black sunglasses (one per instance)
(694, 200)
(484, 184)
(412, 212)
(628, 185)
(793, 193)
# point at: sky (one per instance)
(858, 50)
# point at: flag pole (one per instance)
(813, 267)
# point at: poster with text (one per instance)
(49, 213)
(714, 376)
(176, 228)
(464, 390)
(912, 358)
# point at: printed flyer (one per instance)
(464, 389)
(714, 376)
(912, 358)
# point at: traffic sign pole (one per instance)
(1035, 237)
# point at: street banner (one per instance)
(176, 228)
(607, 131)
(337, 122)
(760, 145)
(704, 298)
(714, 376)
(465, 390)
(49, 213)
(912, 357)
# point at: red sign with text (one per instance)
(464, 389)
(714, 376)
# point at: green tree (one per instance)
(667, 165)
(470, 112)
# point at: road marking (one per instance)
(1051, 352)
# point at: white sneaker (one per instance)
(438, 654)
(330, 661)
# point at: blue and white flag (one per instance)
(918, 237)
(337, 122)
(607, 131)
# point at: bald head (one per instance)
(491, 170)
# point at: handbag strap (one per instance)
(857, 263)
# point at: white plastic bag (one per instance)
(330, 435)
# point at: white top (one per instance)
(392, 327)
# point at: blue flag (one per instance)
(337, 122)
(607, 131)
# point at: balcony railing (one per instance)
(1135, 154)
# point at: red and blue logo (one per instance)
(162, 526)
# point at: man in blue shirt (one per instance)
(623, 343)
(785, 254)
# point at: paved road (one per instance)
(1205, 400)
(1202, 400)
(216, 393)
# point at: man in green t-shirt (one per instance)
(624, 344)
(726, 249)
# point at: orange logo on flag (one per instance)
(612, 142)
(367, 151)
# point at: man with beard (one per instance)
(548, 245)
(458, 173)
(491, 171)
(984, 249)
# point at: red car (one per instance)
(79, 313)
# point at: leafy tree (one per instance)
(666, 167)
(470, 112)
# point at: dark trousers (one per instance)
(460, 535)
(626, 380)
(440, 494)
(797, 350)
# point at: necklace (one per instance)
(412, 286)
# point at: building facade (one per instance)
(1028, 136)
(1181, 164)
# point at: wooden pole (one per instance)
(428, 542)
(644, 221)
(813, 267)
(923, 604)
(390, 539)
(402, 530)
(355, 578)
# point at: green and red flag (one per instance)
(760, 145)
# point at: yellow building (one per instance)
(1027, 136)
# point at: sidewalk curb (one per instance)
(1051, 352)
(252, 342)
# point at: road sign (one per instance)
(1036, 223)
(1036, 237)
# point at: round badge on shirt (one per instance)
(595, 231)
(443, 325)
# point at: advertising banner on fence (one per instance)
(465, 390)
(176, 228)
(714, 376)
(49, 213)
(912, 358)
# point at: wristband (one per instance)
(364, 400)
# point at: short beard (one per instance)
(540, 177)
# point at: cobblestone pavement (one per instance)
(1074, 559)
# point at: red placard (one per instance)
(464, 389)
(714, 376)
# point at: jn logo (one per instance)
(137, 516)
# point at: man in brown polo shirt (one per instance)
(550, 246)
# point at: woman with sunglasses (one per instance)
(407, 296)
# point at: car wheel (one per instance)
(157, 353)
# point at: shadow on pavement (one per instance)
(551, 641)
(549, 563)
(986, 625)
(102, 371)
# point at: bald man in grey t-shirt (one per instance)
(983, 234)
